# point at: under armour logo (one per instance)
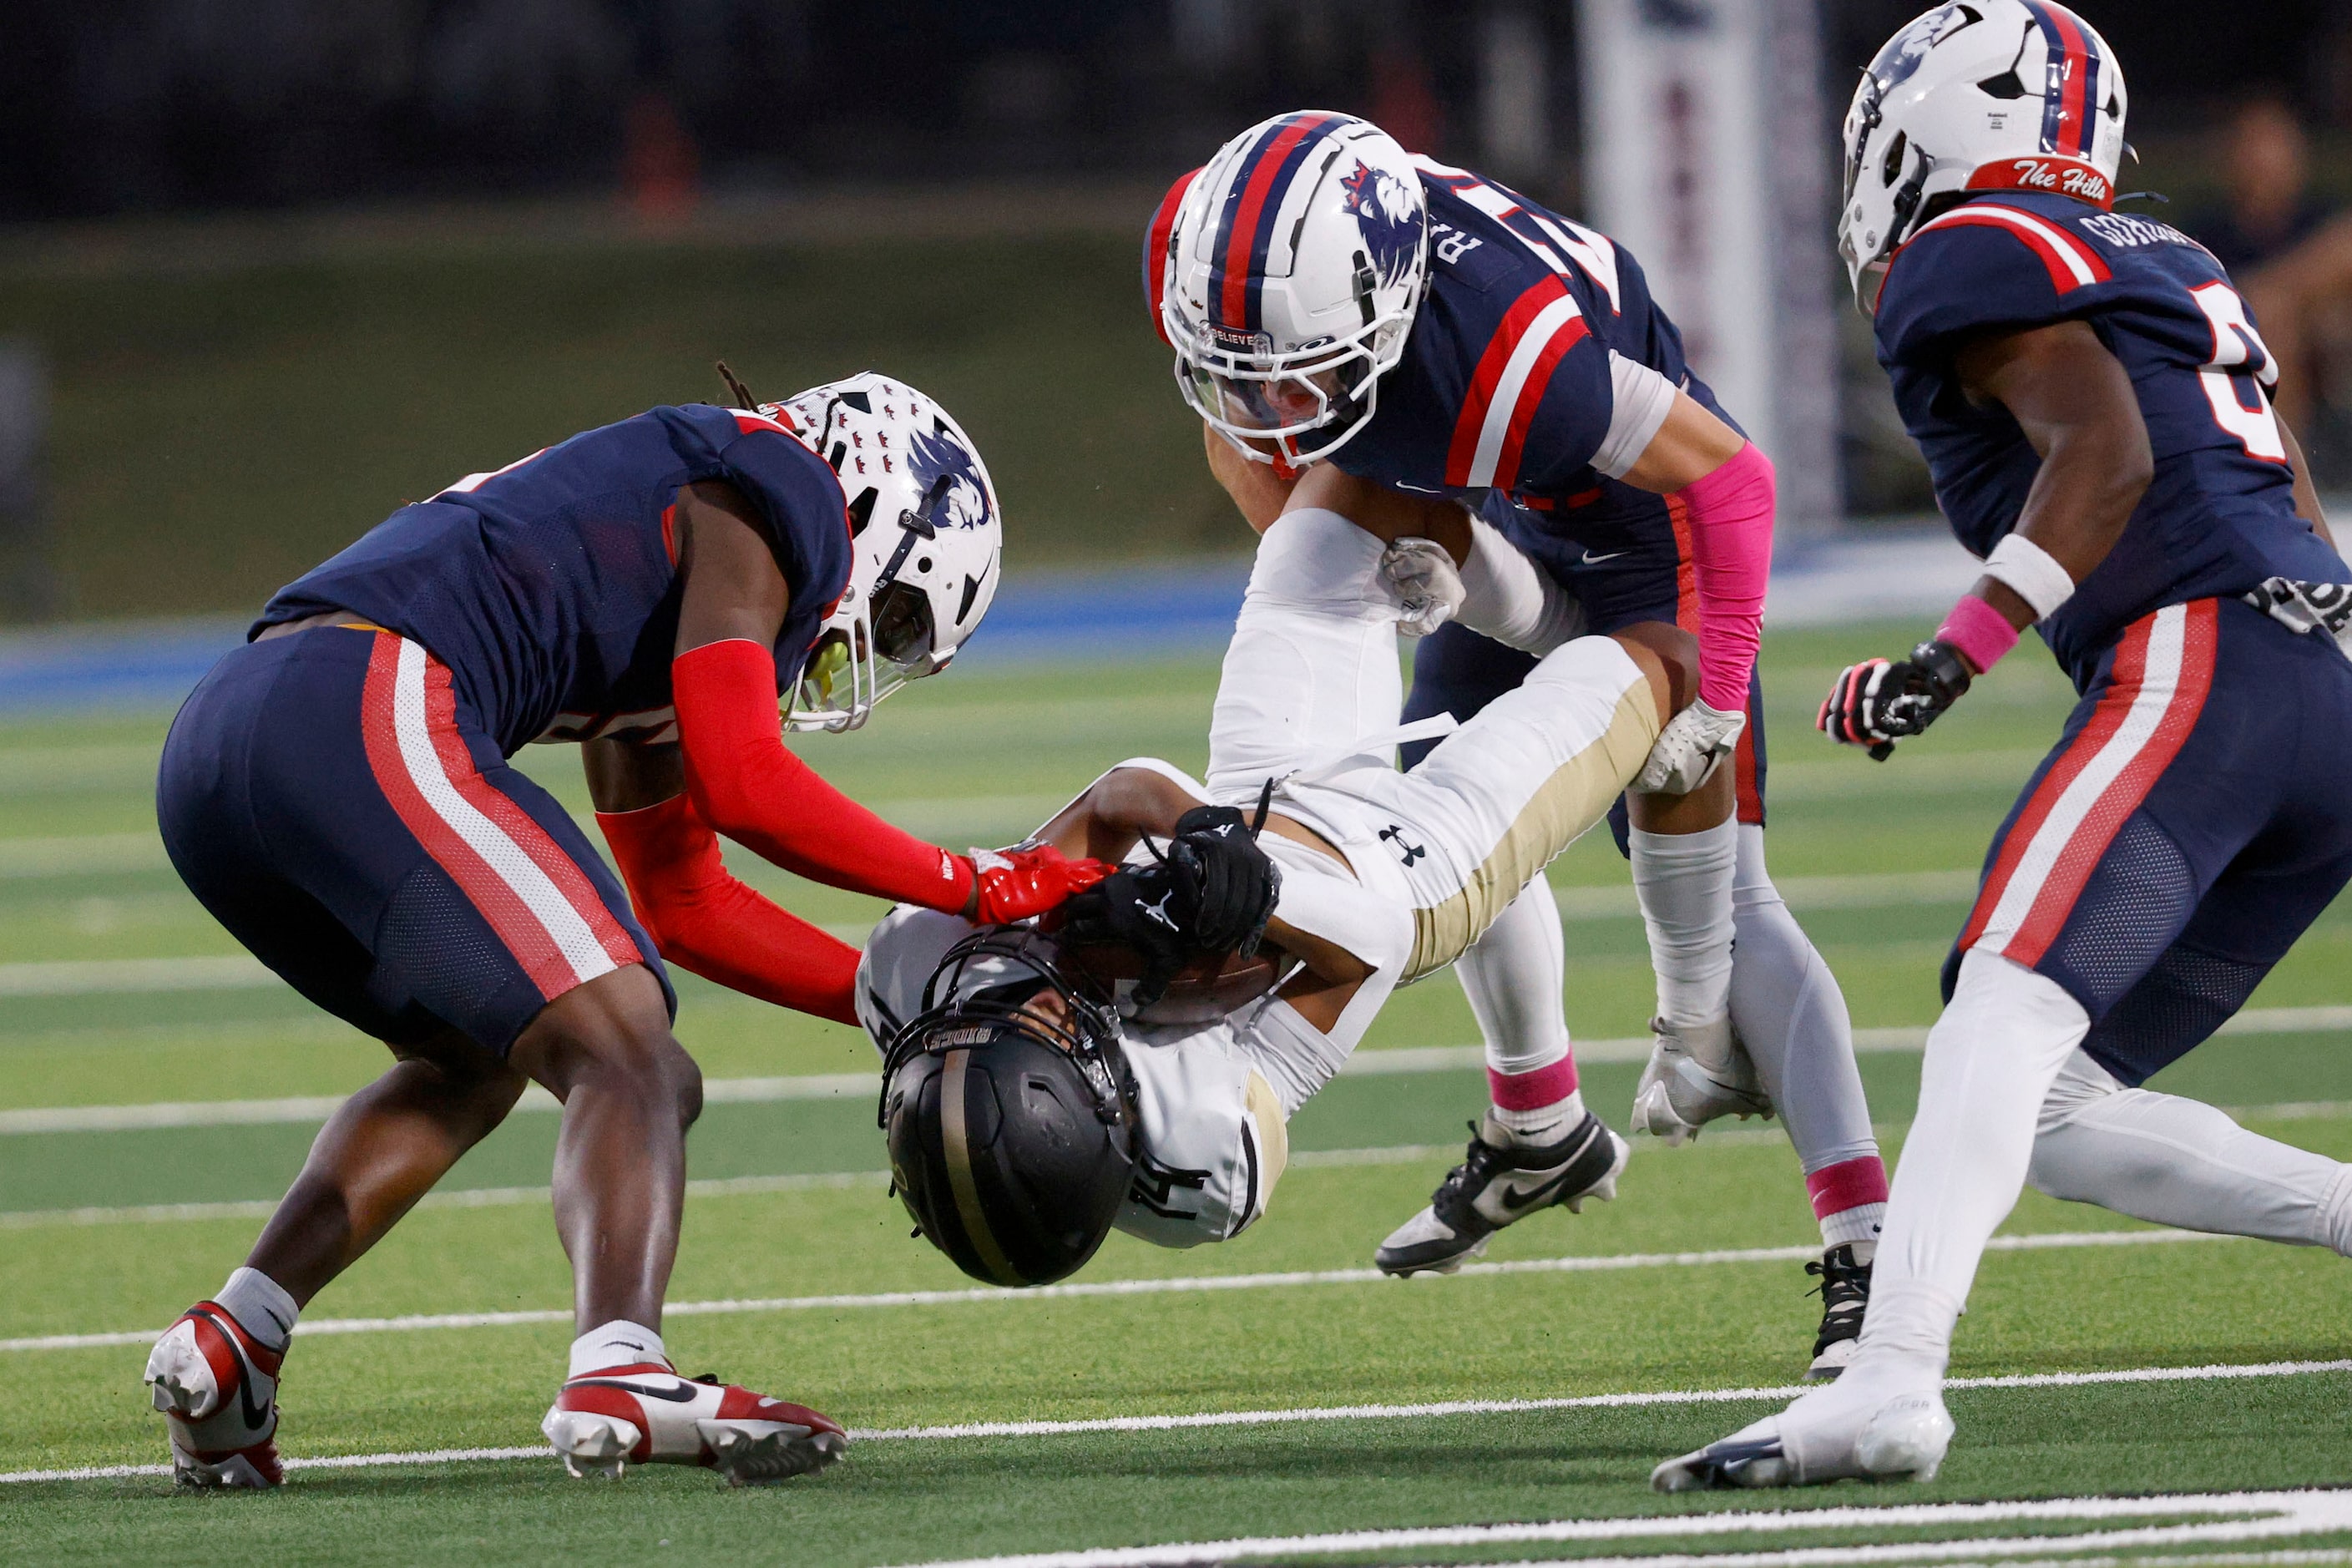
(1394, 837)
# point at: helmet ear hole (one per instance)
(861, 511)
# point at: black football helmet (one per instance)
(1011, 1129)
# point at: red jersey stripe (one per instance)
(2090, 841)
(2130, 669)
(2070, 263)
(524, 937)
(1471, 422)
(1530, 398)
(570, 882)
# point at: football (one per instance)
(1202, 991)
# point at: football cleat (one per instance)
(216, 1386)
(1845, 1296)
(646, 1413)
(1696, 1074)
(1895, 1436)
(1502, 1179)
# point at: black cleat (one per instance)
(1501, 1180)
(1845, 1296)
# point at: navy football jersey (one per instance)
(2219, 517)
(551, 588)
(1505, 393)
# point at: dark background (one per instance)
(271, 267)
(110, 107)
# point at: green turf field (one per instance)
(798, 1276)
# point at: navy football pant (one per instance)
(2192, 821)
(1456, 671)
(326, 798)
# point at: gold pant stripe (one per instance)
(957, 1146)
(1272, 1135)
(1578, 794)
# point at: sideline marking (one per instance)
(1604, 1263)
(2215, 1373)
(853, 1085)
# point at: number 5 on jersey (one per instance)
(2238, 349)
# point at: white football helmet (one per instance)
(1986, 95)
(926, 537)
(1293, 269)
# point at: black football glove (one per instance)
(1226, 884)
(1134, 907)
(1879, 702)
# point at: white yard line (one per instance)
(2231, 1517)
(318, 1108)
(105, 976)
(461, 1198)
(851, 1086)
(1185, 1285)
(1215, 1418)
(81, 855)
(717, 1187)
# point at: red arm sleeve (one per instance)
(745, 783)
(706, 921)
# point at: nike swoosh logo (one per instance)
(631, 1343)
(1592, 560)
(682, 1394)
(1517, 1202)
(254, 1415)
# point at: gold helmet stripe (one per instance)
(956, 1145)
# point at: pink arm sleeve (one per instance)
(1730, 514)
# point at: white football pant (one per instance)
(2004, 1092)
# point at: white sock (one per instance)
(1683, 883)
(261, 1306)
(1514, 975)
(1988, 1069)
(1791, 1018)
(1860, 1225)
(2171, 1161)
(617, 1344)
(1547, 1125)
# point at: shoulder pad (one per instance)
(1982, 265)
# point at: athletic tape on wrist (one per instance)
(1981, 633)
(2031, 572)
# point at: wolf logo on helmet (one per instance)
(935, 457)
(1389, 218)
(906, 610)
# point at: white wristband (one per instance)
(2032, 572)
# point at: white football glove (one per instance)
(1690, 748)
(1420, 574)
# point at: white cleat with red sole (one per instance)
(646, 1413)
(216, 1386)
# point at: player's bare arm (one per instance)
(1259, 489)
(2306, 494)
(2074, 402)
(2074, 405)
(1126, 803)
(1691, 445)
